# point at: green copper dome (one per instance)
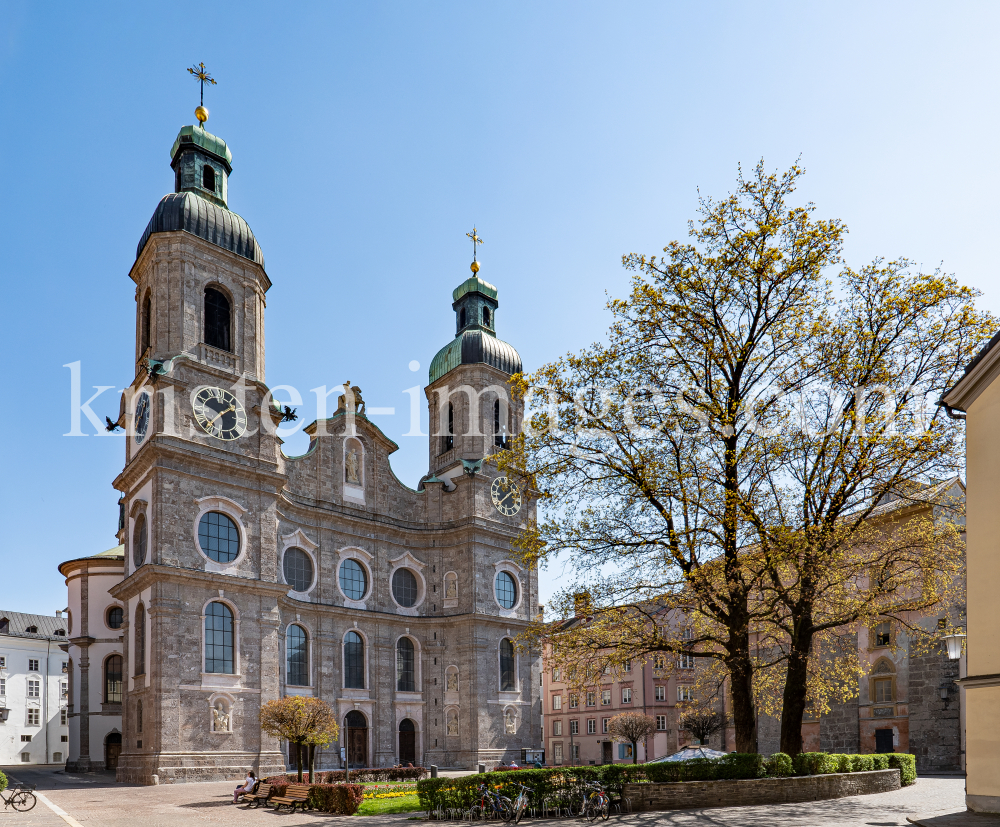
(474, 284)
(474, 347)
(206, 140)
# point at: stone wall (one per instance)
(935, 726)
(838, 729)
(692, 794)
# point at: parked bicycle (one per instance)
(521, 802)
(597, 803)
(492, 804)
(19, 797)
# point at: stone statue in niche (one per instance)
(510, 723)
(353, 467)
(452, 722)
(451, 682)
(220, 718)
(351, 401)
(451, 588)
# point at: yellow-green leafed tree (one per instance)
(716, 470)
(300, 721)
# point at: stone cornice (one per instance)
(152, 573)
(980, 376)
(976, 681)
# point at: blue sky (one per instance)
(369, 137)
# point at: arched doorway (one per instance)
(112, 749)
(356, 735)
(407, 742)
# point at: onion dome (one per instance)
(475, 304)
(202, 164)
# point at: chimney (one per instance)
(58, 612)
(581, 603)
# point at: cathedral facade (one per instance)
(251, 575)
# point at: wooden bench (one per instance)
(258, 796)
(295, 794)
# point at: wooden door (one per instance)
(606, 753)
(112, 749)
(883, 740)
(407, 748)
(357, 748)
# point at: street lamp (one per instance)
(954, 644)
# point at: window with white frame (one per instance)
(557, 753)
(3, 686)
(591, 726)
(25, 757)
(3, 662)
(34, 717)
(557, 727)
(33, 688)
(661, 723)
(574, 727)
(557, 701)
(606, 697)
(555, 673)
(62, 717)
(574, 701)
(659, 662)
(604, 724)
(685, 662)
(661, 692)
(63, 690)
(591, 699)
(685, 693)
(574, 750)
(25, 739)
(32, 665)
(626, 695)
(687, 634)
(628, 666)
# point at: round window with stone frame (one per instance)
(297, 567)
(353, 579)
(404, 588)
(139, 541)
(218, 537)
(506, 589)
(115, 617)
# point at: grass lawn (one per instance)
(381, 806)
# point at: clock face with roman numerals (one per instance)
(219, 413)
(506, 496)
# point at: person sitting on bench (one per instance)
(247, 787)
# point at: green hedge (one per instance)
(3, 782)
(342, 799)
(906, 764)
(778, 765)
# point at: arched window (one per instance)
(140, 640)
(449, 437)
(297, 652)
(354, 661)
(404, 588)
(138, 715)
(298, 569)
(139, 539)
(219, 639)
(486, 316)
(219, 537)
(353, 579)
(500, 431)
(145, 324)
(113, 680)
(405, 680)
(208, 177)
(508, 680)
(217, 320)
(461, 317)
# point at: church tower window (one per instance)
(486, 316)
(297, 651)
(508, 681)
(113, 680)
(449, 438)
(219, 639)
(219, 538)
(140, 640)
(461, 318)
(354, 661)
(208, 178)
(217, 320)
(139, 541)
(405, 681)
(146, 322)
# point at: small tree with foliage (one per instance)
(632, 727)
(300, 721)
(702, 723)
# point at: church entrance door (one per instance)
(407, 742)
(112, 749)
(356, 728)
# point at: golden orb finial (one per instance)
(474, 267)
(201, 113)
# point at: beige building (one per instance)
(250, 574)
(977, 393)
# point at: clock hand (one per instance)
(222, 413)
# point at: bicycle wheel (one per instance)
(522, 805)
(605, 811)
(506, 809)
(23, 800)
(590, 811)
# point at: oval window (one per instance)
(115, 617)
(353, 579)
(139, 541)
(219, 538)
(298, 569)
(506, 590)
(404, 588)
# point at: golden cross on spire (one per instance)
(475, 240)
(204, 77)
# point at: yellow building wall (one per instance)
(983, 603)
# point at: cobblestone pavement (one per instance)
(95, 799)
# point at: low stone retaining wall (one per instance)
(696, 794)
